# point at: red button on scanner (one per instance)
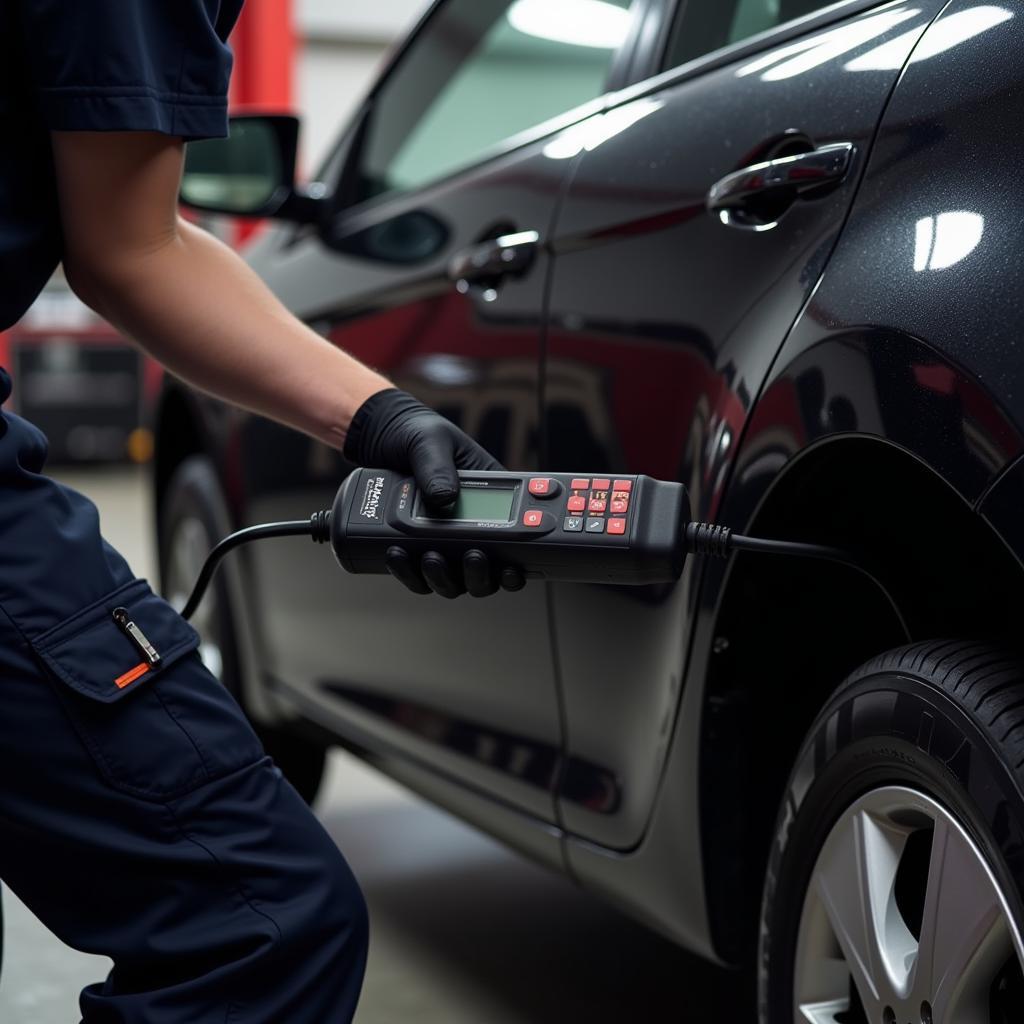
(617, 526)
(602, 485)
(620, 506)
(581, 485)
(597, 506)
(577, 504)
(623, 485)
(544, 487)
(533, 517)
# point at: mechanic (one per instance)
(144, 822)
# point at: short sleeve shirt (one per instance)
(94, 65)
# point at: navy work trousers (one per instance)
(139, 816)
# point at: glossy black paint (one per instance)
(596, 725)
(662, 327)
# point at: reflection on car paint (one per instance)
(537, 764)
(807, 54)
(951, 31)
(947, 238)
(883, 383)
(596, 130)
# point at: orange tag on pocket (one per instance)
(131, 675)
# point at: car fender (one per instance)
(907, 341)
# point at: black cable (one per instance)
(720, 542)
(317, 527)
(701, 539)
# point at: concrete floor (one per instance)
(464, 932)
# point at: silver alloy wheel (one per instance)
(903, 921)
(189, 545)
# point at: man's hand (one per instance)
(392, 430)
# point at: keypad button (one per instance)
(580, 485)
(595, 526)
(576, 504)
(617, 526)
(573, 524)
(533, 517)
(597, 505)
(620, 506)
(623, 485)
(544, 487)
(602, 485)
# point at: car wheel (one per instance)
(893, 892)
(191, 523)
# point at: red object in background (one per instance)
(264, 46)
(78, 380)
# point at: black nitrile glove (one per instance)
(392, 430)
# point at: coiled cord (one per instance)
(708, 539)
(320, 526)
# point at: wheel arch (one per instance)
(794, 629)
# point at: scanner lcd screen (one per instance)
(480, 505)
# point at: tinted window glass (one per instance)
(707, 25)
(482, 71)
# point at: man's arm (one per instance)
(187, 298)
(193, 304)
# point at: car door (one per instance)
(432, 270)
(682, 255)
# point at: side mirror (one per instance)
(251, 173)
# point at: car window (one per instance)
(480, 72)
(706, 25)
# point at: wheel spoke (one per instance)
(856, 865)
(875, 879)
(965, 937)
(822, 1013)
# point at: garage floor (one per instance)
(464, 932)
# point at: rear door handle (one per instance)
(489, 262)
(756, 196)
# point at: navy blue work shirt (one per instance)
(95, 66)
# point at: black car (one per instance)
(771, 249)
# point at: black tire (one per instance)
(943, 720)
(193, 512)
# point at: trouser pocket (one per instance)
(156, 723)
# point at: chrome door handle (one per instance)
(756, 195)
(489, 262)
